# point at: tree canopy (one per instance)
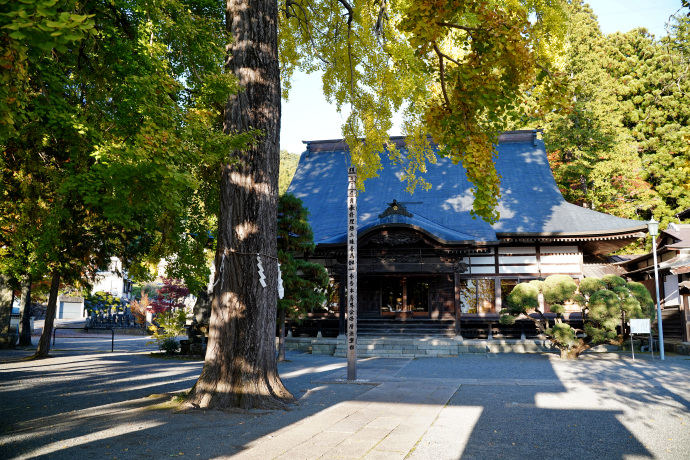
(459, 71)
(625, 147)
(112, 135)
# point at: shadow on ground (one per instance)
(79, 405)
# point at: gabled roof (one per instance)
(685, 214)
(675, 239)
(531, 204)
(676, 236)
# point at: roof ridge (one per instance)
(333, 145)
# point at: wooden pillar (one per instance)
(685, 315)
(458, 312)
(498, 300)
(404, 293)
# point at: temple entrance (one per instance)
(405, 296)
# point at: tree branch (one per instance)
(443, 74)
(438, 51)
(304, 25)
(378, 28)
(457, 26)
(350, 17)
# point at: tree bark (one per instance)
(578, 349)
(25, 312)
(44, 342)
(6, 300)
(240, 368)
(7, 337)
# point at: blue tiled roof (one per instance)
(530, 200)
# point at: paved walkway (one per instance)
(85, 403)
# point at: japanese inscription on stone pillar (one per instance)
(351, 334)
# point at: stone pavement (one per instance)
(95, 404)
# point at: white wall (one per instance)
(671, 294)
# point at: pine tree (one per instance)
(305, 282)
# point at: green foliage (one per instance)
(104, 301)
(29, 28)
(623, 149)
(112, 135)
(539, 284)
(141, 289)
(304, 282)
(644, 298)
(458, 70)
(562, 335)
(558, 289)
(589, 286)
(613, 281)
(603, 303)
(288, 166)
(171, 324)
(169, 345)
(604, 310)
(523, 299)
(557, 309)
(507, 319)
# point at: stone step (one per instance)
(428, 346)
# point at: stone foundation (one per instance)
(417, 347)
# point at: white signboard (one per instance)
(640, 326)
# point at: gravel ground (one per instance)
(86, 402)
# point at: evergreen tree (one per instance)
(623, 148)
(655, 103)
(593, 156)
(603, 303)
(304, 282)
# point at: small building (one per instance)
(673, 256)
(113, 280)
(423, 256)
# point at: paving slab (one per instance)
(88, 403)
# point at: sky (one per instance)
(308, 116)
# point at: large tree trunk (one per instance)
(6, 300)
(240, 368)
(44, 341)
(25, 312)
(7, 338)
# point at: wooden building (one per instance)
(673, 253)
(423, 256)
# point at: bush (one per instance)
(169, 345)
(170, 324)
(104, 301)
(138, 309)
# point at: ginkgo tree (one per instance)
(459, 70)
